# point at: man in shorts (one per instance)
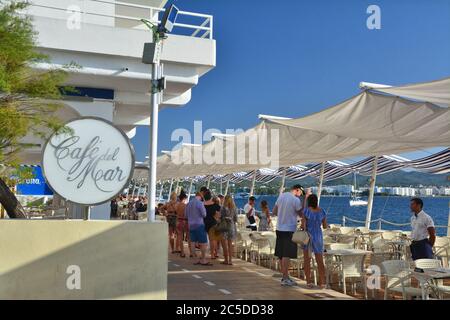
(195, 212)
(288, 209)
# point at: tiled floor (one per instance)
(243, 280)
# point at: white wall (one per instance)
(69, 16)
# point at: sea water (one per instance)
(393, 209)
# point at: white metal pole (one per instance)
(371, 192)
(283, 180)
(153, 145)
(128, 190)
(221, 189)
(209, 182)
(177, 186)
(190, 190)
(252, 188)
(161, 191)
(319, 190)
(226, 186)
(134, 188)
(170, 189)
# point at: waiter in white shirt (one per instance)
(423, 232)
(249, 210)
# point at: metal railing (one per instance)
(380, 221)
(202, 29)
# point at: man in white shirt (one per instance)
(249, 210)
(423, 233)
(287, 208)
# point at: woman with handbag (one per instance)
(313, 218)
(212, 215)
(227, 226)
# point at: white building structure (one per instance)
(106, 38)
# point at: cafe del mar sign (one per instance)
(90, 165)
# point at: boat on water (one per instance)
(244, 195)
(241, 195)
(355, 200)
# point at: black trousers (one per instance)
(421, 249)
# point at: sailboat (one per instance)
(355, 200)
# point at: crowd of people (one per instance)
(210, 220)
(128, 207)
(204, 220)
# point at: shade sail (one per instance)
(437, 163)
(435, 91)
(367, 124)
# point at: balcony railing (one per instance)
(188, 23)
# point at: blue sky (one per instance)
(293, 57)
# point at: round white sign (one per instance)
(90, 165)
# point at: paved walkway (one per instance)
(242, 281)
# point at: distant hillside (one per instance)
(396, 178)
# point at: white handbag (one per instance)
(300, 237)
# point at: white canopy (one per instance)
(368, 124)
(435, 91)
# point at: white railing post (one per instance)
(371, 192)
(343, 221)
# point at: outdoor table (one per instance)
(338, 254)
(430, 276)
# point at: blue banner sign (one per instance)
(35, 186)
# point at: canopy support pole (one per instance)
(371, 192)
(283, 180)
(170, 189)
(221, 189)
(252, 188)
(209, 182)
(226, 187)
(319, 190)
(128, 191)
(177, 186)
(190, 189)
(161, 191)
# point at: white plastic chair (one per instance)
(261, 248)
(398, 279)
(390, 235)
(351, 267)
(427, 263)
(243, 243)
(346, 230)
(436, 286)
(441, 250)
